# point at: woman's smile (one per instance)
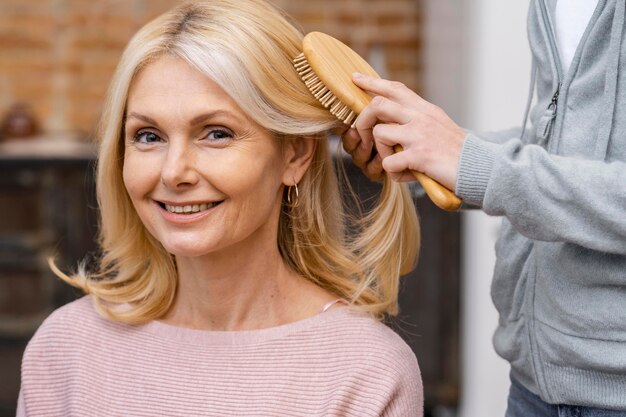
(185, 213)
(189, 208)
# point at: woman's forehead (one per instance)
(170, 85)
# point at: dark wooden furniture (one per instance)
(46, 209)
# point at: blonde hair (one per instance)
(247, 48)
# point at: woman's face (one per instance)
(202, 176)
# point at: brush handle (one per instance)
(440, 195)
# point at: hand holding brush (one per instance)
(410, 134)
(326, 66)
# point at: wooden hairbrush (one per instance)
(326, 66)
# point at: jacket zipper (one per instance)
(546, 122)
(544, 128)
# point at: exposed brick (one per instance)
(59, 55)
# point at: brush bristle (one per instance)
(321, 92)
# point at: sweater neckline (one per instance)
(244, 337)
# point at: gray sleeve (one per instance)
(546, 197)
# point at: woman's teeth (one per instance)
(189, 209)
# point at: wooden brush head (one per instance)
(334, 62)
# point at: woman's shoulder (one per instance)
(71, 316)
(360, 337)
(375, 356)
(360, 327)
(66, 328)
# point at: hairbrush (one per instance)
(326, 66)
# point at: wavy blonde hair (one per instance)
(247, 48)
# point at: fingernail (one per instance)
(357, 75)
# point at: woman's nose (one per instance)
(179, 166)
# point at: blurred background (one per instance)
(56, 58)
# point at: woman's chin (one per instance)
(187, 251)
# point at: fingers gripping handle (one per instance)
(439, 195)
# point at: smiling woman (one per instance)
(197, 149)
(229, 284)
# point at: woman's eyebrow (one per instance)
(134, 115)
(211, 115)
(195, 121)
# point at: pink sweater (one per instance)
(337, 363)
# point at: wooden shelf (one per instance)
(47, 184)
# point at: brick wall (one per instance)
(58, 55)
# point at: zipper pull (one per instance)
(555, 98)
(546, 121)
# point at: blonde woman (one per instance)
(228, 285)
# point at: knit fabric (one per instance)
(338, 363)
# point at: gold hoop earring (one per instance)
(294, 201)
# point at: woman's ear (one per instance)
(298, 153)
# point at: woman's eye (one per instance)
(146, 137)
(219, 135)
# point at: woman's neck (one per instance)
(244, 290)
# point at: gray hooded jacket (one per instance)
(560, 277)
